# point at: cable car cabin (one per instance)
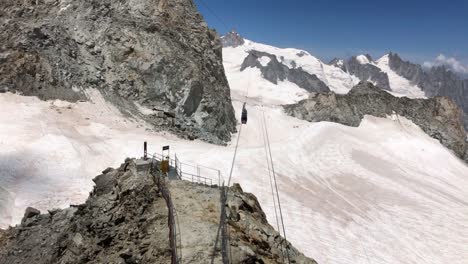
(244, 115)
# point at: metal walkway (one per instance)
(189, 172)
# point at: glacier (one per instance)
(383, 192)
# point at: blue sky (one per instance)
(418, 30)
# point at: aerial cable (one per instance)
(227, 189)
(215, 15)
(276, 185)
(271, 183)
(234, 157)
(269, 173)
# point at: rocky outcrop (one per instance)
(437, 81)
(446, 83)
(410, 71)
(337, 62)
(232, 39)
(275, 71)
(125, 220)
(159, 54)
(439, 117)
(252, 239)
(364, 71)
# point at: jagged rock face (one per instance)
(275, 71)
(439, 117)
(157, 53)
(339, 63)
(446, 83)
(365, 72)
(253, 240)
(232, 39)
(125, 220)
(410, 71)
(437, 81)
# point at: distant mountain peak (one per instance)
(364, 58)
(232, 39)
(337, 63)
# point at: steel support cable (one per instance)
(234, 158)
(271, 183)
(221, 221)
(225, 192)
(214, 14)
(276, 184)
(229, 181)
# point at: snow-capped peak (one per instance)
(363, 59)
(399, 85)
(232, 39)
(333, 76)
(383, 60)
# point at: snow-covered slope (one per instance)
(336, 79)
(399, 85)
(362, 59)
(384, 192)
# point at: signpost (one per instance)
(165, 159)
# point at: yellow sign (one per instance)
(165, 166)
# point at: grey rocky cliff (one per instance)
(159, 54)
(276, 71)
(437, 81)
(232, 39)
(365, 72)
(125, 220)
(410, 71)
(337, 62)
(439, 117)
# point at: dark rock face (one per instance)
(410, 71)
(337, 62)
(437, 81)
(248, 223)
(30, 212)
(439, 117)
(365, 72)
(276, 71)
(232, 39)
(159, 54)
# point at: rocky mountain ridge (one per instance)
(436, 81)
(125, 220)
(439, 117)
(159, 56)
(275, 71)
(364, 71)
(232, 39)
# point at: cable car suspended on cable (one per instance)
(244, 115)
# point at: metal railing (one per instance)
(196, 179)
(223, 233)
(193, 173)
(225, 244)
(175, 237)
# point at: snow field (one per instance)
(383, 192)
